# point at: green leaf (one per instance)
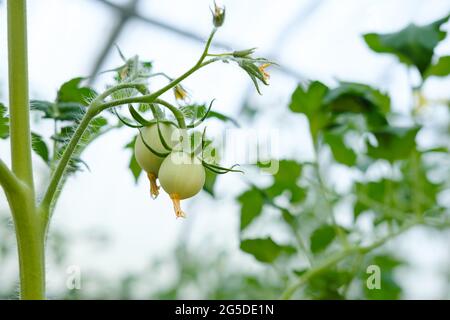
(322, 237)
(252, 203)
(413, 45)
(394, 143)
(326, 286)
(63, 111)
(396, 199)
(390, 290)
(4, 122)
(440, 69)
(40, 147)
(223, 117)
(341, 152)
(210, 182)
(95, 127)
(357, 98)
(194, 111)
(72, 91)
(265, 250)
(286, 179)
(198, 111)
(309, 100)
(134, 167)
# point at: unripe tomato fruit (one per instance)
(146, 159)
(182, 176)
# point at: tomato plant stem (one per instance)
(47, 201)
(31, 245)
(18, 92)
(20, 192)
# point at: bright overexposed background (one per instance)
(310, 39)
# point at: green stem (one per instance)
(208, 44)
(47, 201)
(18, 92)
(31, 245)
(323, 188)
(153, 96)
(29, 234)
(339, 256)
(8, 180)
(334, 259)
(176, 112)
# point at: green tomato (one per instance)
(147, 160)
(182, 176)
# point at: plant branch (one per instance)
(8, 180)
(324, 190)
(208, 44)
(47, 200)
(339, 256)
(150, 98)
(176, 112)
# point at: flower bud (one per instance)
(218, 15)
(244, 53)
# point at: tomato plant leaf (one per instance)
(252, 203)
(40, 147)
(64, 111)
(134, 167)
(326, 286)
(394, 143)
(4, 122)
(201, 111)
(440, 69)
(413, 45)
(389, 288)
(72, 91)
(357, 98)
(265, 249)
(289, 171)
(210, 181)
(308, 100)
(340, 151)
(321, 238)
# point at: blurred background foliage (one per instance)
(393, 183)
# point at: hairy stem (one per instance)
(47, 201)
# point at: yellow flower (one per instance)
(180, 93)
(262, 68)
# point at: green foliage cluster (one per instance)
(352, 125)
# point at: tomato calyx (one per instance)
(154, 188)
(177, 206)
